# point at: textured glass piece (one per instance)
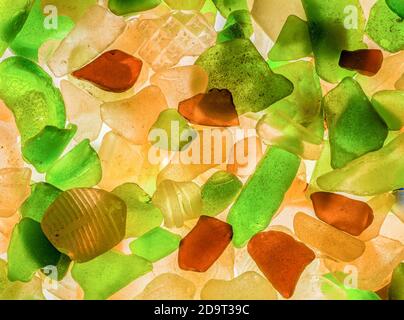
(365, 61)
(80, 167)
(334, 26)
(108, 273)
(41, 197)
(29, 93)
(385, 27)
(238, 67)
(85, 223)
(253, 209)
(281, 258)
(397, 6)
(46, 147)
(226, 7)
(218, 192)
(238, 26)
(374, 173)
(355, 128)
(73, 9)
(155, 244)
(389, 104)
(124, 7)
(142, 215)
(293, 42)
(185, 4)
(396, 290)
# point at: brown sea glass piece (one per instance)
(215, 108)
(281, 258)
(365, 61)
(114, 71)
(204, 244)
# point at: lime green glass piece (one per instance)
(13, 14)
(108, 273)
(155, 244)
(334, 26)
(262, 194)
(29, 93)
(390, 106)
(209, 7)
(354, 126)
(238, 26)
(80, 168)
(237, 66)
(42, 196)
(185, 4)
(323, 166)
(396, 290)
(171, 125)
(218, 192)
(226, 7)
(37, 30)
(29, 251)
(397, 6)
(374, 173)
(142, 215)
(293, 42)
(123, 7)
(385, 27)
(47, 146)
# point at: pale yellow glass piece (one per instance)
(327, 239)
(93, 33)
(132, 118)
(400, 83)
(46, 50)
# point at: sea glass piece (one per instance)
(46, 147)
(385, 27)
(350, 114)
(185, 4)
(349, 215)
(114, 71)
(365, 61)
(73, 9)
(238, 67)
(124, 7)
(226, 7)
(237, 26)
(329, 36)
(397, 6)
(253, 209)
(218, 192)
(142, 215)
(204, 244)
(29, 93)
(93, 33)
(281, 258)
(374, 173)
(6, 228)
(180, 83)
(248, 286)
(41, 197)
(108, 273)
(155, 244)
(83, 110)
(398, 203)
(14, 189)
(38, 29)
(396, 290)
(293, 41)
(178, 201)
(327, 239)
(85, 223)
(215, 108)
(389, 104)
(79, 168)
(10, 144)
(132, 118)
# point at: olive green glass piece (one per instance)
(238, 26)
(389, 105)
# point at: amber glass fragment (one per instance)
(365, 61)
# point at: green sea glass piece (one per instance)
(254, 208)
(397, 6)
(155, 244)
(323, 166)
(38, 29)
(374, 173)
(218, 192)
(108, 273)
(185, 4)
(29, 93)
(238, 26)
(354, 126)
(293, 42)
(385, 27)
(238, 67)
(73, 9)
(46, 147)
(396, 290)
(80, 168)
(142, 215)
(124, 7)
(334, 26)
(209, 7)
(226, 7)
(389, 105)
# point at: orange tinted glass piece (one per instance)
(215, 108)
(204, 244)
(281, 258)
(114, 71)
(349, 215)
(365, 61)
